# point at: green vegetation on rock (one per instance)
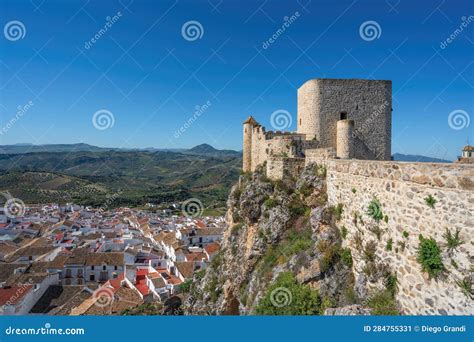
(429, 257)
(286, 297)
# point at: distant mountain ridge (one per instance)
(86, 174)
(417, 158)
(208, 149)
(83, 147)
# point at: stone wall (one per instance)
(319, 156)
(401, 189)
(269, 144)
(282, 167)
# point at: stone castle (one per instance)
(341, 118)
(345, 126)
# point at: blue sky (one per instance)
(150, 78)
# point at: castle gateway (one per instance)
(337, 118)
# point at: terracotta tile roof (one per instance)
(209, 231)
(212, 248)
(250, 120)
(196, 256)
(468, 148)
(78, 257)
(13, 294)
(58, 262)
(7, 270)
(186, 268)
(159, 282)
(111, 259)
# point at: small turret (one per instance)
(249, 124)
(345, 140)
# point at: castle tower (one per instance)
(323, 102)
(308, 109)
(345, 139)
(247, 148)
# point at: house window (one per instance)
(104, 267)
(300, 121)
(92, 277)
(92, 268)
(115, 268)
(343, 116)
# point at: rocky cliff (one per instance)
(282, 254)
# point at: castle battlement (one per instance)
(342, 118)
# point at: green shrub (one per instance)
(389, 245)
(385, 218)
(337, 211)
(430, 201)
(296, 242)
(375, 210)
(453, 241)
(270, 203)
(429, 257)
(391, 283)
(286, 297)
(405, 234)
(297, 208)
(213, 288)
(346, 257)
(383, 303)
(200, 274)
(320, 171)
(217, 260)
(354, 190)
(293, 243)
(305, 190)
(343, 232)
(329, 254)
(237, 193)
(466, 287)
(186, 285)
(350, 295)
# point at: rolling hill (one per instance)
(89, 176)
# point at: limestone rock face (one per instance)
(261, 213)
(350, 310)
